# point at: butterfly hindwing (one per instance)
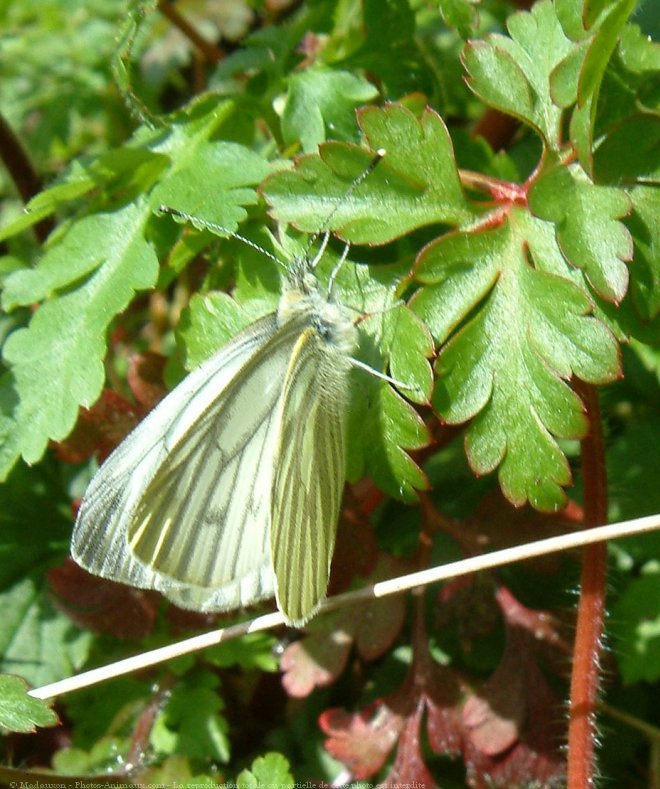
(309, 474)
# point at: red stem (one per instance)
(591, 608)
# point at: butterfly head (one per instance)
(305, 301)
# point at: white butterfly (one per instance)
(229, 491)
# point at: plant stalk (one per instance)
(591, 608)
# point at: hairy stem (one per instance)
(591, 608)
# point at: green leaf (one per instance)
(565, 77)
(388, 431)
(76, 183)
(645, 272)
(209, 322)
(569, 13)
(253, 651)
(636, 625)
(103, 757)
(269, 770)
(595, 62)
(19, 711)
(190, 723)
(385, 44)
(232, 170)
(639, 53)
(415, 184)
(36, 641)
(460, 14)
(513, 74)
(585, 217)
(101, 262)
(382, 426)
(515, 332)
(321, 103)
(631, 152)
(92, 273)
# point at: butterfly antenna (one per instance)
(335, 270)
(323, 230)
(203, 224)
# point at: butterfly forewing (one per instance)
(203, 521)
(170, 508)
(309, 474)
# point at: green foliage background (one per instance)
(515, 269)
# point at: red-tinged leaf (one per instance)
(541, 625)
(181, 619)
(409, 767)
(356, 550)
(145, 377)
(444, 724)
(317, 659)
(514, 725)
(377, 624)
(99, 429)
(468, 606)
(314, 661)
(493, 718)
(496, 524)
(363, 740)
(368, 496)
(102, 605)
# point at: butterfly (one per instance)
(229, 491)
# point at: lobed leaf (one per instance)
(585, 217)
(20, 712)
(516, 331)
(513, 74)
(415, 184)
(102, 261)
(321, 103)
(269, 770)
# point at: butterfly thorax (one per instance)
(303, 300)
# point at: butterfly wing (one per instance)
(308, 481)
(182, 505)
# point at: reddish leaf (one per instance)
(185, 619)
(540, 624)
(99, 429)
(514, 724)
(314, 661)
(363, 740)
(494, 717)
(356, 550)
(409, 768)
(377, 624)
(145, 377)
(101, 605)
(498, 524)
(468, 605)
(320, 656)
(444, 723)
